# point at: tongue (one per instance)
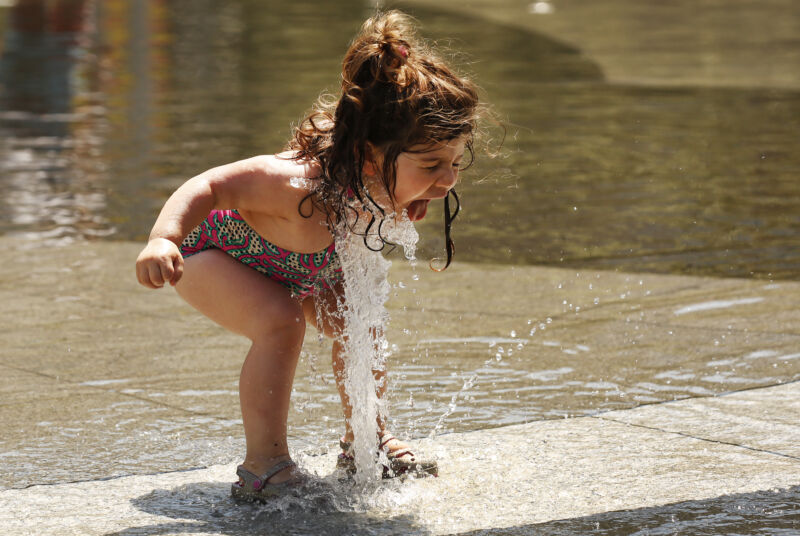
(417, 209)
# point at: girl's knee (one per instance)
(278, 324)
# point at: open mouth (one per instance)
(417, 209)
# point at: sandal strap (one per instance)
(389, 438)
(399, 454)
(346, 447)
(252, 480)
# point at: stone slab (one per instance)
(504, 477)
(479, 346)
(760, 419)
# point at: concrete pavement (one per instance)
(120, 415)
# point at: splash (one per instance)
(366, 290)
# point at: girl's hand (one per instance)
(159, 262)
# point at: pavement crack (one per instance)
(114, 391)
(106, 478)
(705, 439)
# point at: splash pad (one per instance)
(98, 401)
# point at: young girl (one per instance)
(251, 244)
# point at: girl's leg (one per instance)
(323, 309)
(246, 302)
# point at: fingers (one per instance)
(143, 274)
(178, 271)
(155, 275)
(166, 271)
(155, 271)
(171, 270)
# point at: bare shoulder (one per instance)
(273, 184)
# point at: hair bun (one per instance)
(394, 54)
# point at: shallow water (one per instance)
(101, 123)
(98, 125)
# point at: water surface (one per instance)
(106, 107)
(109, 106)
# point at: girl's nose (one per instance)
(449, 178)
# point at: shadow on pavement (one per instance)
(319, 507)
(764, 512)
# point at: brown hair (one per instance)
(396, 94)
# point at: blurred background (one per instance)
(637, 136)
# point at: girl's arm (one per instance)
(251, 184)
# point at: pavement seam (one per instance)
(112, 391)
(106, 478)
(729, 393)
(684, 434)
(599, 414)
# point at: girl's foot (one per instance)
(401, 458)
(278, 479)
(261, 466)
(386, 441)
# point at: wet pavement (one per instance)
(119, 404)
(557, 400)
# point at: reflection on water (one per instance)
(107, 106)
(50, 127)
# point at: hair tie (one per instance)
(403, 50)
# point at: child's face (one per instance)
(425, 173)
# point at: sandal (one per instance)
(401, 462)
(252, 487)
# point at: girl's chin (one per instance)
(417, 209)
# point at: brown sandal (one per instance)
(401, 462)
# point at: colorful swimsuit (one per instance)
(304, 274)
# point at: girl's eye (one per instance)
(431, 168)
